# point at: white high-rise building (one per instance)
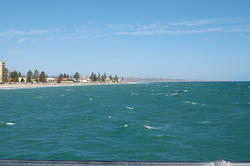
(2, 71)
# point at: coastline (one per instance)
(44, 85)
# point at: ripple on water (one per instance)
(204, 122)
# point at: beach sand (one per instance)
(41, 85)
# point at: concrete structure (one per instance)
(2, 71)
(114, 163)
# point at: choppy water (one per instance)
(158, 121)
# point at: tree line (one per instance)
(36, 76)
(31, 76)
(103, 77)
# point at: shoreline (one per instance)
(44, 85)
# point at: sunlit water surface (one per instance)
(157, 121)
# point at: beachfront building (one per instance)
(2, 71)
(67, 80)
(51, 80)
(83, 80)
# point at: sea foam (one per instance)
(150, 127)
(133, 93)
(129, 108)
(194, 103)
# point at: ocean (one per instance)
(195, 121)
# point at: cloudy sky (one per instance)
(178, 39)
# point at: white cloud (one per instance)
(95, 30)
(170, 32)
(21, 32)
(196, 22)
(21, 40)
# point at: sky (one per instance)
(175, 39)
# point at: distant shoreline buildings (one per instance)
(35, 76)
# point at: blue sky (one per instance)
(178, 39)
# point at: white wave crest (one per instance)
(194, 103)
(174, 94)
(185, 90)
(129, 108)
(10, 123)
(190, 102)
(220, 163)
(126, 125)
(150, 127)
(110, 117)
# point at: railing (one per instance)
(115, 163)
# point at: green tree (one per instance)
(94, 77)
(14, 76)
(60, 77)
(77, 76)
(91, 76)
(110, 77)
(99, 77)
(116, 78)
(104, 77)
(29, 76)
(19, 74)
(36, 75)
(42, 77)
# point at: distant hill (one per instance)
(136, 79)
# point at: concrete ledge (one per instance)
(114, 163)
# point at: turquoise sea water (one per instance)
(157, 121)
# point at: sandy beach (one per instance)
(41, 85)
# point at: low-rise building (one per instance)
(83, 80)
(51, 80)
